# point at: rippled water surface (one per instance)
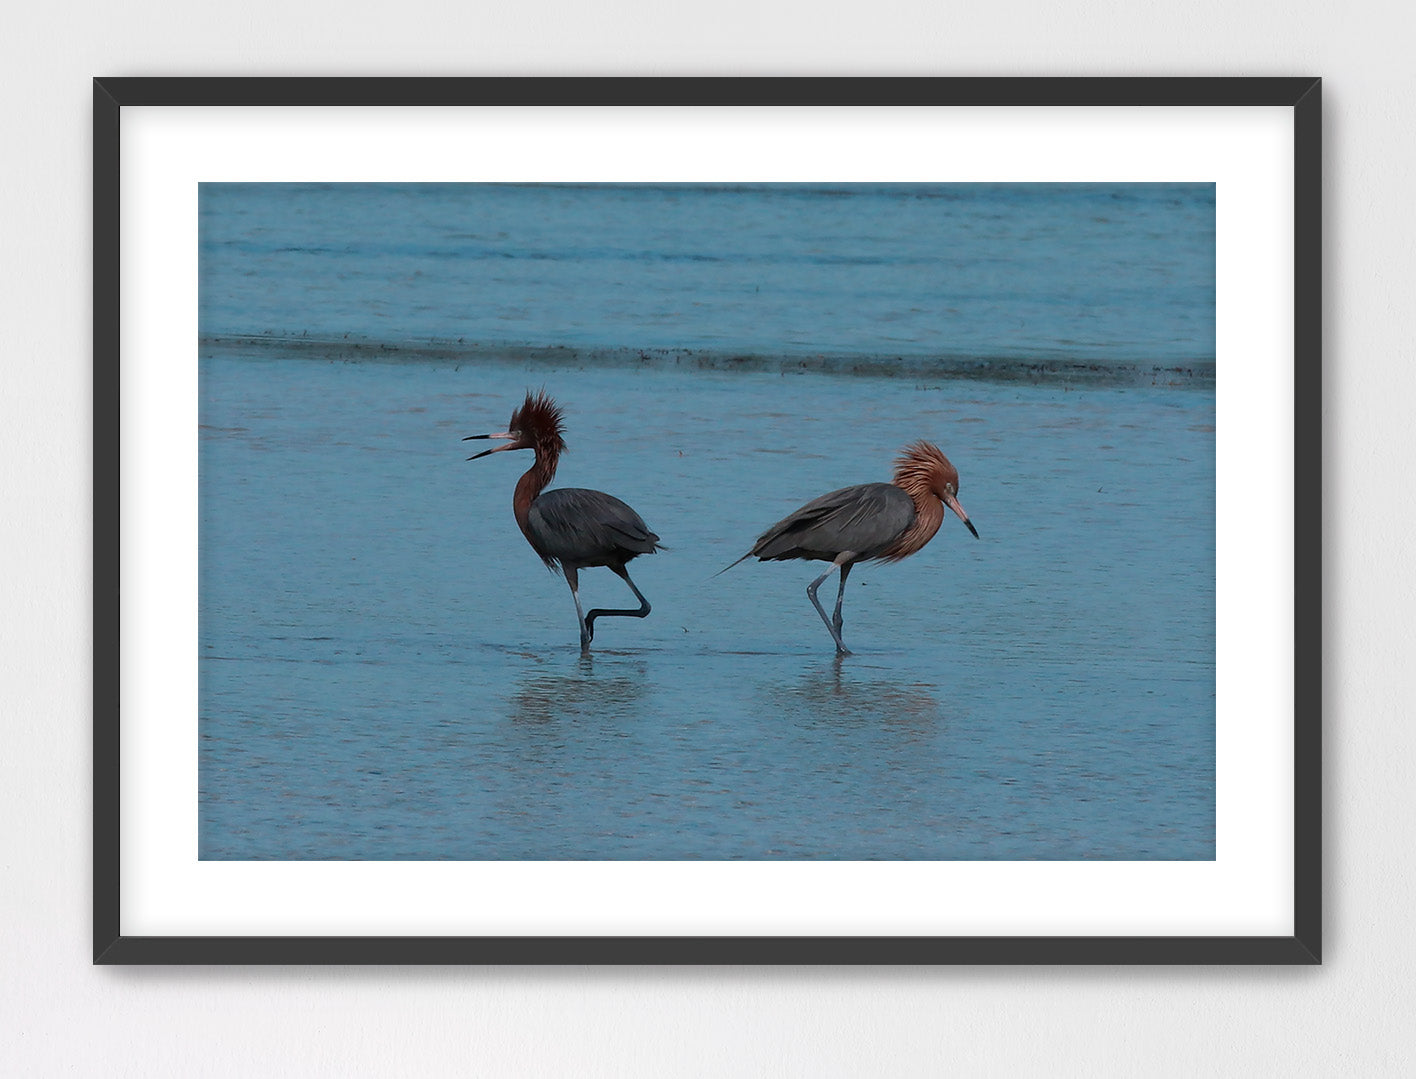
(387, 670)
(1104, 272)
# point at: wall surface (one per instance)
(58, 1014)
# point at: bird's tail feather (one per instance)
(725, 569)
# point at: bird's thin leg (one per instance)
(641, 612)
(840, 595)
(811, 594)
(587, 630)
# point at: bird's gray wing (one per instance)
(864, 519)
(580, 526)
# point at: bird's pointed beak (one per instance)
(511, 443)
(953, 504)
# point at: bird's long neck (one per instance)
(929, 515)
(532, 484)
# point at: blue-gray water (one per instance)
(387, 671)
(1093, 272)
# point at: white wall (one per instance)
(59, 1014)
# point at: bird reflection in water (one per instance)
(827, 692)
(614, 694)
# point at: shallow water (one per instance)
(1104, 273)
(387, 671)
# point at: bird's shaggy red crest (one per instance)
(539, 423)
(922, 467)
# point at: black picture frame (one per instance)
(1302, 95)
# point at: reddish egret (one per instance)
(570, 528)
(873, 522)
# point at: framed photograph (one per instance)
(1034, 363)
